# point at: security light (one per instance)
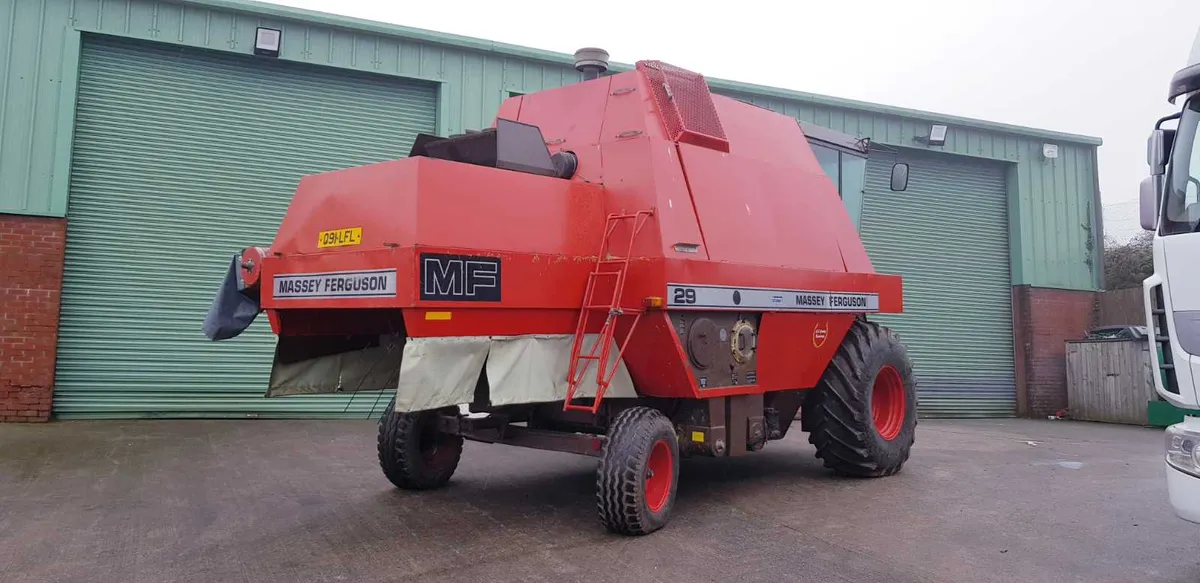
(266, 42)
(937, 135)
(1050, 151)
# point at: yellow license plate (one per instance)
(339, 238)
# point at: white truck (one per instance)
(1170, 206)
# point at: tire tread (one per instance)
(619, 485)
(836, 413)
(398, 457)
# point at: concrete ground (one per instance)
(265, 501)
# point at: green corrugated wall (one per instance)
(181, 158)
(1051, 234)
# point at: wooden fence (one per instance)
(1121, 306)
(1109, 380)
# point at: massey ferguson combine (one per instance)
(629, 267)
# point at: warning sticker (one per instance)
(376, 283)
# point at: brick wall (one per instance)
(31, 265)
(1044, 319)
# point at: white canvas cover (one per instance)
(430, 373)
(533, 369)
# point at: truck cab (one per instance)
(1170, 208)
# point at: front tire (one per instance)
(413, 453)
(638, 472)
(862, 416)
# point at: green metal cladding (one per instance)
(1053, 219)
(176, 155)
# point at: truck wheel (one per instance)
(862, 416)
(638, 472)
(413, 453)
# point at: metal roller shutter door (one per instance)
(182, 157)
(947, 235)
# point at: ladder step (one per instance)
(606, 273)
(571, 407)
(606, 307)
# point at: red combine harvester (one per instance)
(629, 267)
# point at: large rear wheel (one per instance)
(638, 472)
(862, 416)
(413, 453)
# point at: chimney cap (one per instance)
(591, 57)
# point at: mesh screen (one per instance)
(685, 105)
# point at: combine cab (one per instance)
(630, 268)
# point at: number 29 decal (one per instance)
(683, 296)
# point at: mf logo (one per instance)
(460, 278)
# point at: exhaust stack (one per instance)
(592, 62)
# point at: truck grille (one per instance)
(1162, 340)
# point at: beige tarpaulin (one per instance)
(439, 372)
(533, 369)
(429, 373)
(367, 369)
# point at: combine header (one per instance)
(629, 267)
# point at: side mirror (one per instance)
(1148, 202)
(900, 177)
(1158, 150)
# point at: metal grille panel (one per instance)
(685, 105)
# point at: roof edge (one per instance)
(932, 116)
(384, 28)
(477, 44)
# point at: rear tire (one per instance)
(638, 472)
(413, 453)
(862, 416)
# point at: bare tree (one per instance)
(1127, 264)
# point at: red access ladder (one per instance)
(606, 267)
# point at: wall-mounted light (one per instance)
(266, 42)
(1050, 151)
(937, 135)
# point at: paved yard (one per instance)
(266, 501)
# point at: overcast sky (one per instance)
(1094, 67)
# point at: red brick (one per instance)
(1044, 319)
(31, 262)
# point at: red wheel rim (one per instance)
(660, 472)
(888, 404)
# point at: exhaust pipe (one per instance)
(592, 62)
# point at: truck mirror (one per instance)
(1148, 203)
(1158, 149)
(900, 177)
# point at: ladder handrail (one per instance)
(614, 310)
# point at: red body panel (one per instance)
(762, 215)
